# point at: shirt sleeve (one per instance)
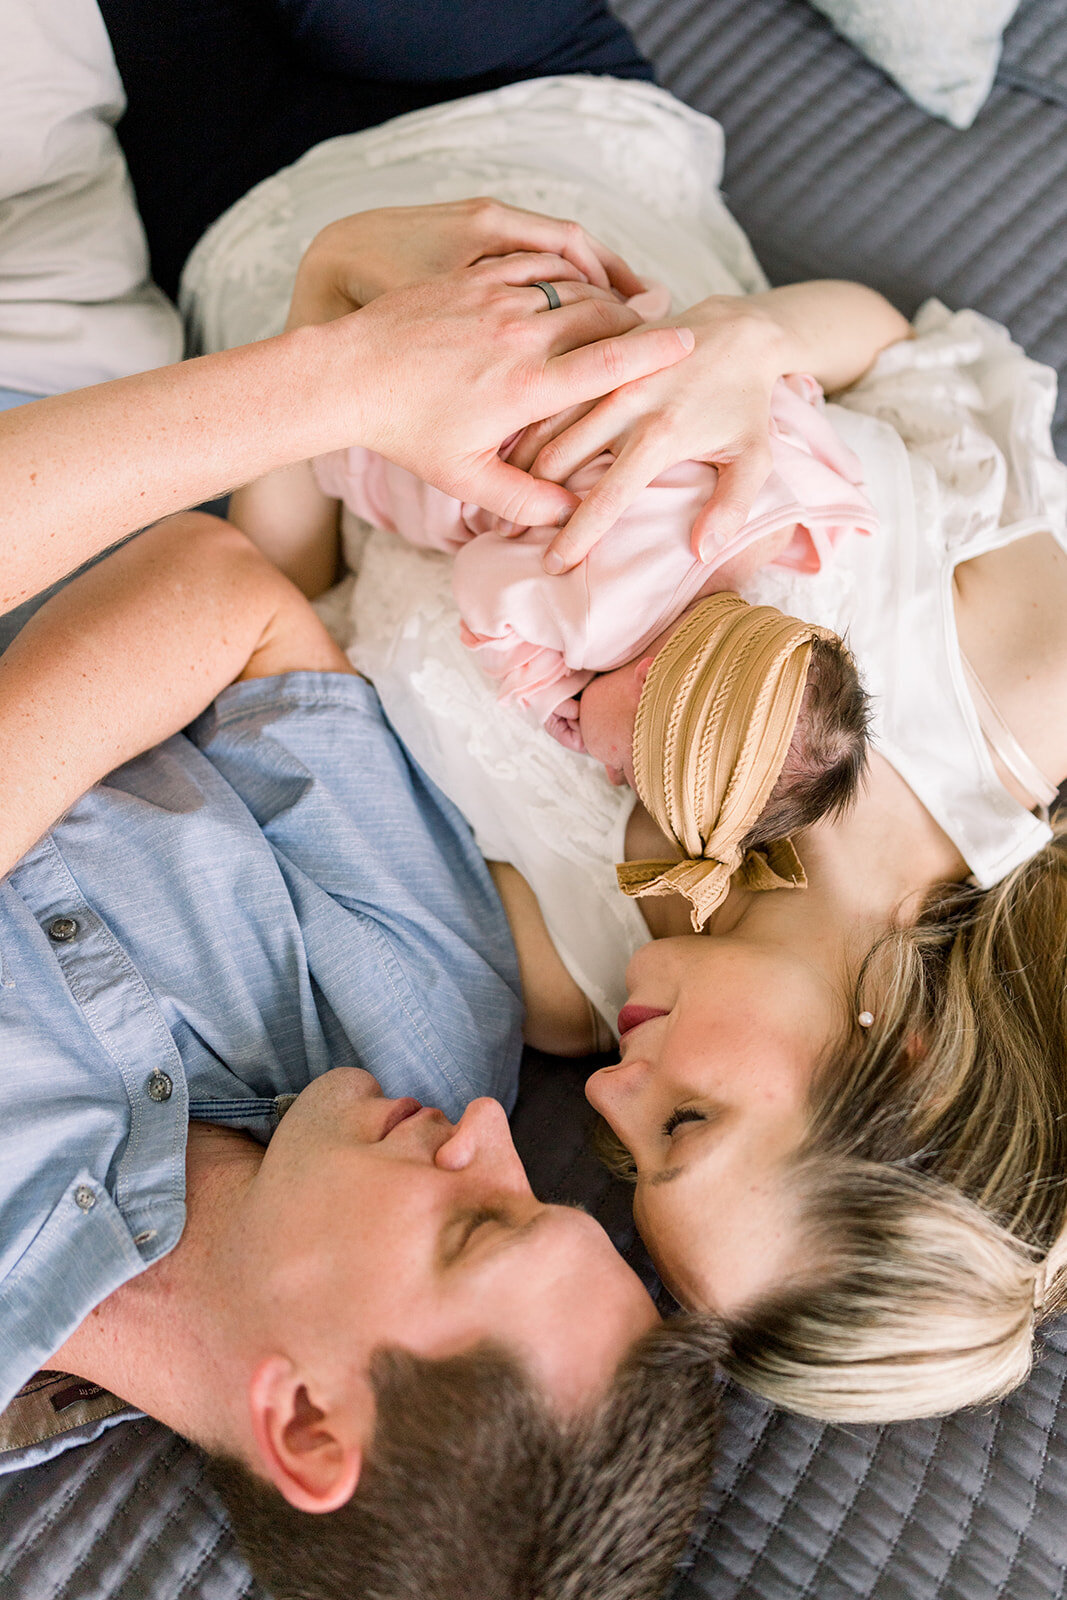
(407, 941)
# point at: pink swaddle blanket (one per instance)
(542, 638)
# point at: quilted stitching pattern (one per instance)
(127, 1517)
(833, 172)
(1035, 49)
(967, 1509)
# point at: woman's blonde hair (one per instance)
(932, 1189)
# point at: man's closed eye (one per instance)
(463, 1230)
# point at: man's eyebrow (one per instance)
(667, 1174)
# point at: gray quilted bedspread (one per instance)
(832, 172)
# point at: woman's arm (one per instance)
(714, 408)
(296, 525)
(1011, 618)
(79, 471)
(559, 1018)
(132, 650)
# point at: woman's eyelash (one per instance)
(682, 1114)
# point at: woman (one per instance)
(859, 1273)
(874, 1116)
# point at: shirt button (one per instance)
(84, 1198)
(160, 1087)
(62, 929)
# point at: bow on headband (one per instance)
(713, 726)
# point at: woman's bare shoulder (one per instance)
(1011, 617)
(560, 1019)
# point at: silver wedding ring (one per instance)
(551, 296)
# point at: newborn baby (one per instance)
(826, 752)
(741, 727)
(589, 652)
(543, 638)
(583, 650)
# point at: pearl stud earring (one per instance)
(866, 1019)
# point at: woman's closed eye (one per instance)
(682, 1114)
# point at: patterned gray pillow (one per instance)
(943, 53)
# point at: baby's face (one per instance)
(606, 714)
(607, 711)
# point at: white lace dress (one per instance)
(635, 166)
(952, 428)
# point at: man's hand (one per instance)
(435, 376)
(450, 367)
(353, 261)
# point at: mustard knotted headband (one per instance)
(713, 726)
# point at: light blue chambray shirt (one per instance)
(274, 893)
(10, 398)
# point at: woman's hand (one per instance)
(354, 260)
(714, 407)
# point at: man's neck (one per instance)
(172, 1341)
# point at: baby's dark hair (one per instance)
(828, 753)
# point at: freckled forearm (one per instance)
(129, 653)
(80, 471)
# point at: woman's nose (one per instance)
(629, 1075)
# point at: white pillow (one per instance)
(943, 53)
(76, 303)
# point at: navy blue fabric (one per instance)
(222, 93)
(436, 40)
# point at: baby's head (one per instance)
(736, 716)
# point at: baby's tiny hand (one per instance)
(564, 726)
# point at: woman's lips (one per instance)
(631, 1016)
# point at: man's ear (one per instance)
(313, 1457)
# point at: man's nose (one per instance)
(482, 1137)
